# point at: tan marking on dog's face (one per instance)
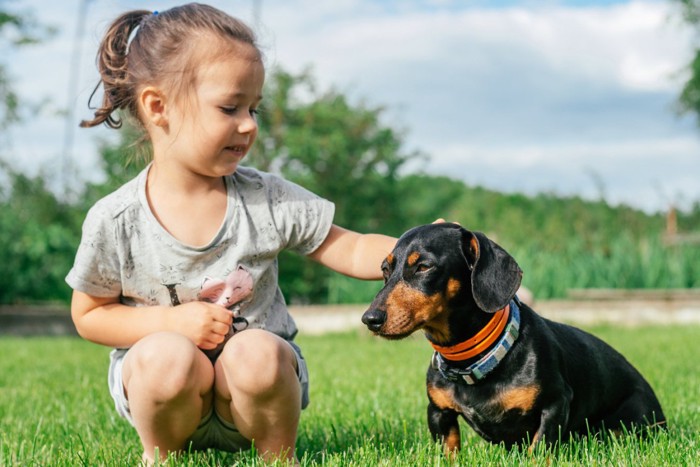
(408, 309)
(443, 398)
(413, 258)
(390, 258)
(521, 398)
(439, 329)
(453, 288)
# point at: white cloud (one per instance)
(632, 43)
(536, 94)
(650, 173)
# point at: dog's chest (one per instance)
(489, 410)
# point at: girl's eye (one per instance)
(232, 110)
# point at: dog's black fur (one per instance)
(555, 381)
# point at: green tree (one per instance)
(39, 235)
(120, 162)
(9, 24)
(15, 30)
(340, 151)
(689, 97)
(424, 198)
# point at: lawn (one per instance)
(367, 406)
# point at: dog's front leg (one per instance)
(553, 421)
(444, 427)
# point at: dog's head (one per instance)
(433, 270)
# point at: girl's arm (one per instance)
(106, 321)
(354, 254)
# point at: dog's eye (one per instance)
(423, 267)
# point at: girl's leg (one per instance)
(168, 382)
(257, 389)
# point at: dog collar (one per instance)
(480, 342)
(485, 365)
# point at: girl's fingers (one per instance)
(221, 329)
(221, 315)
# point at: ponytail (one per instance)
(144, 48)
(112, 63)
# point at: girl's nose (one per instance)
(248, 124)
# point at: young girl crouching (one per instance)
(168, 261)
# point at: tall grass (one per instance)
(622, 262)
(367, 407)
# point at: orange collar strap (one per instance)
(481, 341)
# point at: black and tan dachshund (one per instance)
(515, 377)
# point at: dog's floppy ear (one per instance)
(495, 274)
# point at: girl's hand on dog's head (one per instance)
(442, 221)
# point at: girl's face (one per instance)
(213, 132)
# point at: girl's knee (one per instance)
(166, 363)
(259, 362)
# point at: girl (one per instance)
(167, 260)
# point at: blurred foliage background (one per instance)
(346, 153)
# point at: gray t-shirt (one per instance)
(125, 252)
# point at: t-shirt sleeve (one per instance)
(303, 218)
(96, 267)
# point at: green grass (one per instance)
(367, 406)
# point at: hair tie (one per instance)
(155, 12)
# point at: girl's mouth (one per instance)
(237, 149)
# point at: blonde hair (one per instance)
(144, 48)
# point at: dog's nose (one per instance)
(374, 319)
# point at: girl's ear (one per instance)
(152, 103)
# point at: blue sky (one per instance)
(571, 97)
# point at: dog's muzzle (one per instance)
(374, 319)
